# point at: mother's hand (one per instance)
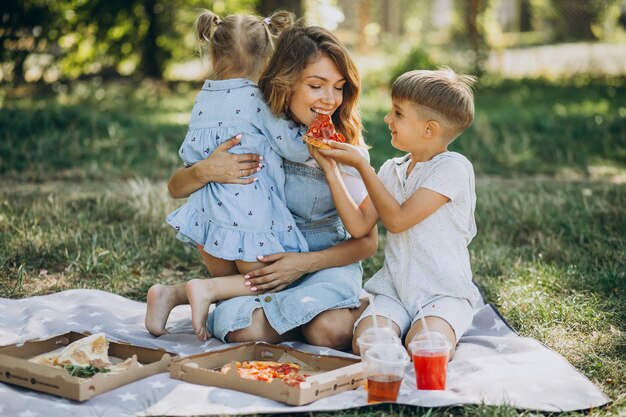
(220, 166)
(228, 168)
(281, 270)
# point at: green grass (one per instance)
(83, 198)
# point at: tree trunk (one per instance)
(267, 7)
(364, 9)
(152, 63)
(525, 20)
(393, 19)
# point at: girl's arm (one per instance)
(395, 216)
(283, 135)
(285, 268)
(220, 166)
(358, 220)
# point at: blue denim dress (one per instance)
(310, 202)
(237, 221)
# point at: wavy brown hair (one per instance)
(299, 46)
(240, 45)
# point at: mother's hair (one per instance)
(299, 46)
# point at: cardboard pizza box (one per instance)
(328, 375)
(17, 370)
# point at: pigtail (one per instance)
(204, 27)
(276, 24)
(279, 22)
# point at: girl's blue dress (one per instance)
(310, 201)
(235, 221)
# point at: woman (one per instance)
(314, 294)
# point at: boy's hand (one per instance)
(325, 163)
(343, 153)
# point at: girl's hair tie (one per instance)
(267, 21)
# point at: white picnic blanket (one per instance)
(493, 366)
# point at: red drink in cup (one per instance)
(430, 354)
(430, 371)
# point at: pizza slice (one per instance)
(266, 371)
(322, 128)
(84, 357)
(91, 350)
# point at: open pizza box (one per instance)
(15, 367)
(325, 375)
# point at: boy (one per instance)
(426, 201)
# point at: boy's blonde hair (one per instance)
(240, 45)
(440, 95)
(299, 46)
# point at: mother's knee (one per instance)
(332, 329)
(259, 330)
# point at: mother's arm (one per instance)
(284, 268)
(220, 166)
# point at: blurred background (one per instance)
(95, 97)
(48, 41)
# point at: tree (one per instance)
(575, 20)
(25, 29)
(267, 7)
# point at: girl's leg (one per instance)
(436, 324)
(333, 328)
(228, 283)
(161, 300)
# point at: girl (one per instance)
(231, 225)
(316, 294)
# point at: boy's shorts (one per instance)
(457, 312)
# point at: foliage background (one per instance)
(95, 97)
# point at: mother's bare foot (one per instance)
(200, 295)
(161, 301)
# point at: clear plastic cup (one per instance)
(430, 352)
(376, 335)
(384, 366)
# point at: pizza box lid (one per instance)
(329, 374)
(17, 370)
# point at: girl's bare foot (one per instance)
(199, 293)
(161, 301)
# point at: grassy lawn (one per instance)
(83, 201)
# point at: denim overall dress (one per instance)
(310, 202)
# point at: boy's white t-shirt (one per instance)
(431, 259)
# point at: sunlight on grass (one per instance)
(585, 108)
(83, 205)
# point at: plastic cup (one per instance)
(383, 366)
(430, 352)
(374, 336)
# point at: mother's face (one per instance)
(319, 90)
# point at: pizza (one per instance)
(267, 371)
(84, 357)
(322, 128)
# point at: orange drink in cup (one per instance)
(384, 368)
(430, 352)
